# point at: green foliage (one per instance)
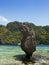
(13, 26)
(8, 36)
(11, 34)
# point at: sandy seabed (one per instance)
(39, 60)
(12, 55)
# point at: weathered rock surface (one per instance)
(28, 43)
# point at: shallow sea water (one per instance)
(12, 55)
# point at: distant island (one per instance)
(11, 34)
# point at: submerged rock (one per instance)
(28, 43)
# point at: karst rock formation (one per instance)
(28, 42)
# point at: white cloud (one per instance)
(2, 18)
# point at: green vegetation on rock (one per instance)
(11, 33)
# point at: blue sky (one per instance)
(34, 11)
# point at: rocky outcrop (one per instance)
(1, 40)
(28, 43)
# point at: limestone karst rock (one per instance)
(28, 43)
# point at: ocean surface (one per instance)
(10, 54)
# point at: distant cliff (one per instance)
(11, 33)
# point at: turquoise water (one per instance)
(8, 53)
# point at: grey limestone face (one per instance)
(28, 42)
